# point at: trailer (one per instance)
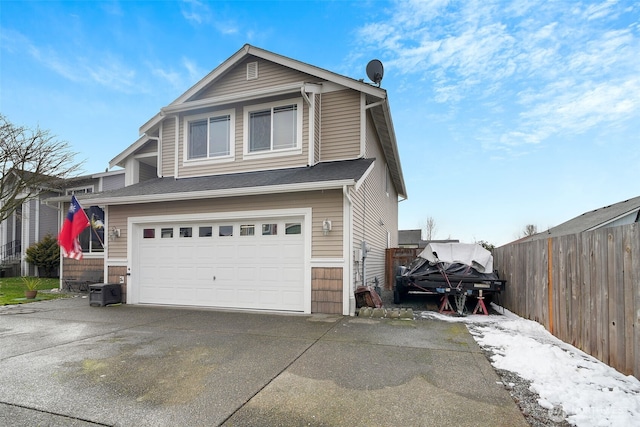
(456, 271)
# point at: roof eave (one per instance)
(212, 194)
(119, 159)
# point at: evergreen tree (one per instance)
(45, 255)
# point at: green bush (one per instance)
(45, 255)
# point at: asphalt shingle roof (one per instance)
(321, 172)
(591, 219)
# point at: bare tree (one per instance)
(32, 161)
(530, 230)
(430, 229)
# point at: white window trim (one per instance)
(208, 160)
(280, 152)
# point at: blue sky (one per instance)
(506, 113)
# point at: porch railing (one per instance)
(10, 252)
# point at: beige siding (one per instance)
(337, 124)
(269, 74)
(375, 214)
(148, 148)
(147, 172)
(324, 204)
(340, 126)
(168, 147)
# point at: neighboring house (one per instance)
(37, 217)
(26, 224)
(271, 184)
(622, 213)
(412, 239)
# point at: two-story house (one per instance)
(270, 184)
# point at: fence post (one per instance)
(550, 283)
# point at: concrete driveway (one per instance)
(64, 363)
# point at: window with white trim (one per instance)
(92, 238)
(80, 190)
(276, 127)
(210, 136)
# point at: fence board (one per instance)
(395, 257)
(585, 302)
(603, 324)
(594, 299)
(627, 285)
(634, 253)
(595, 293)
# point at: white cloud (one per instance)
(106, 69)
(195, 11)
(195, 73)
(554, 68)
(602, 10)
(199, 13)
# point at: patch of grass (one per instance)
(12, 290)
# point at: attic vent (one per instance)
(252, 70)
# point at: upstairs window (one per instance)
(273, 127)
(209, 136)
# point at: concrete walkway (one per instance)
(64, 363)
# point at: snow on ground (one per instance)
(571, 384)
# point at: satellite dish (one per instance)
(375, 71)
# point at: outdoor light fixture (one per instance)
(114, 233)
(326, 227)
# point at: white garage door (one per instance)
(251, 264)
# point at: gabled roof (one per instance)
(323, 176)
(376, 96)
(248, 50)
(592, 220)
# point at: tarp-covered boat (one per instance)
(458, 269)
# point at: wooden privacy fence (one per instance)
(584, 288)
(394, 258)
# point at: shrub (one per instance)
(45, 255)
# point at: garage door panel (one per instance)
(248, 251)
(290, 253)
(247, 273)
(225, 252)
(205, 294)
(236, 271)
(223, 274)
(269, 252)
(269, 274)
(292, 299)
(292, 274)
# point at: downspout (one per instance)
(347, 275)
(312, 123)
(159, 172)
(175, 170)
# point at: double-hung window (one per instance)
(210, 136)
(273, 127)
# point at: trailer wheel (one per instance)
(397, 296)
